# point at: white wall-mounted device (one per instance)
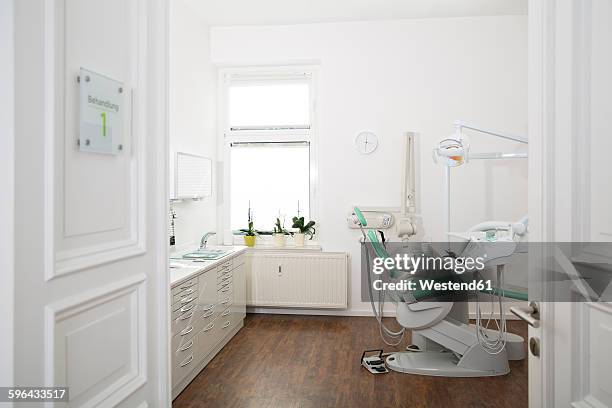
(375, 219)
(192, 176)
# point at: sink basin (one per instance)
(206, 254)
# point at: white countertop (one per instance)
(183, 269)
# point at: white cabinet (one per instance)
(207, 311)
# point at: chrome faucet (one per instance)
(205, 238)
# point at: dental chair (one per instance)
(443, 341)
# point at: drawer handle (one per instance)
(187, 308)
(187, 292)
(187, 300)
(188, 286)
(187, 331)
(225, 284)
(226, 324)
(184, 363)
(226, 301)
(228, 277)
(187, 347)
(207, 308)
(186, 316)
(225, 290)
(207, 328)
(225, 313)
(208, 314)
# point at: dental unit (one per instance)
(443, 341)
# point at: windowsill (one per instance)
(265, 247)
(266, 243)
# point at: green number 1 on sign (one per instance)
(103, 114)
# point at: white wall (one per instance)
(394, 76)
(192, 120)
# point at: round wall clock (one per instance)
(366, 142)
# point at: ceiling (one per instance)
(274, 12)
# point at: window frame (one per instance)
(227, 136)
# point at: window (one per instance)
(274, 178)
(269, 106)
(268, 137)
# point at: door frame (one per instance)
(7, 204)
(558, 49)
(158, 83)
(541, 191)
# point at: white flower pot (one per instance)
(298, 239)
(279, 240)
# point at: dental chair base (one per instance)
(449, 347)
(446, 364)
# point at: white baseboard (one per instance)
(335, 312)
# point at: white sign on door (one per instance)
(101, 104)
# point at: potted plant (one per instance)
(279, 233)
(303, 230)
(250, 235)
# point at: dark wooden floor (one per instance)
(313, 361)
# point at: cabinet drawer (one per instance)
(205, 310)
(184, 336)
(185, 292)
(184, 301)
(224, 267)
(225, 291)
(182, 367)
(228, 323)
(184, 309)
(225, 300)
(208, 338)
(224, 284)
(222, 277)
(181, 322)
(225, 314)
(185, 350)
(185, 285)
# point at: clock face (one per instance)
(366, 142)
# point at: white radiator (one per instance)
(309, 280)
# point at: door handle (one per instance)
(529, 314)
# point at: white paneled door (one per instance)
(570, 192)
(91, 285)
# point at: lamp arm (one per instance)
(461, 125)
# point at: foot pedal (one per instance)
(374, 363)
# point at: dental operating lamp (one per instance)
(455, 151)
